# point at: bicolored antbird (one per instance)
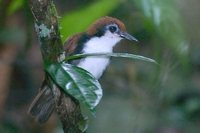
(100, 37)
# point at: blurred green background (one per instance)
(139, 97)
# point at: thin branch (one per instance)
(47, 28)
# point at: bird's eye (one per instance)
(112, 29)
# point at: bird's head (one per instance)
(111, 28)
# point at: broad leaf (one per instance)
(122, 55)
(77, 82)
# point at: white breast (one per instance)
(97, 65)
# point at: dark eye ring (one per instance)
(112, 29)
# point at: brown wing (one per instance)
(43, 104)
(71, 43)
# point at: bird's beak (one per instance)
(127, 36)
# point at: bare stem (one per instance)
(47, 28)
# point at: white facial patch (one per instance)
(104, 44)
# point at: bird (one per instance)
(100, 37)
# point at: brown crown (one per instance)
(93, 29)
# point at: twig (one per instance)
(47, 28)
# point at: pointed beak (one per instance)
(127, 36)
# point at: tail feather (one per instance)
(43, 105)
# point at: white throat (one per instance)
(104, 44)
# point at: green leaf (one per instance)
(77, 82)
(15, 5)
(122, 55)
(168, 23)
(78, 21)
(83, 125)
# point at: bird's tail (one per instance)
(43, 104)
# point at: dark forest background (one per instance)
(139, 97)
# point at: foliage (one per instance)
(15, 5)
(167, 22)
(77, 82)
(76, 21)
(137, 97)
(122, 55)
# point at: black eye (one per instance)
(112, 29)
